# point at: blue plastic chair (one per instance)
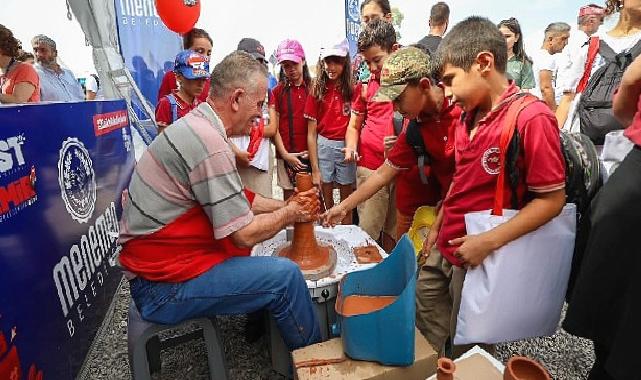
(387, 335)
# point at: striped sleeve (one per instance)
(218, 188)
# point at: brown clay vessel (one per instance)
(357, 304)
(522, 368)
(304, 249)
(445, 369)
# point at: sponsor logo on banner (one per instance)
(78, 275)
(77, 180)
(19, 193)
(104, 123)
(11, 156)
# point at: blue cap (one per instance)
(192, 65)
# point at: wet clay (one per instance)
(522, 368)
(367, 255)
(356, 304)
(445, 369)
(304, 249)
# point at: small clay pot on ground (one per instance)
(522, 368)
(445, 369)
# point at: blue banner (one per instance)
(63, 167)
(352, 24)
(148, 47)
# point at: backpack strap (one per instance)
(606, 51)
(397, 121)
(593, 49)
(507, 133)
(174, 107)
(415, 141)
(636, 49)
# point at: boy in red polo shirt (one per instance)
(472, 61)
(369, 124)
(192, 72)
(407, 81)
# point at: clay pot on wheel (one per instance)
(522, 368)
(445, 369)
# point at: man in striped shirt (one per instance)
(188, 224)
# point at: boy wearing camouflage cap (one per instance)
(407, 81)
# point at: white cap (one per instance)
(340, 49)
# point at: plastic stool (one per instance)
(144, 357)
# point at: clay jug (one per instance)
(522, 368)
(445, 369)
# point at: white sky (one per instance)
(312, 22)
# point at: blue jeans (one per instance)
(238, 285)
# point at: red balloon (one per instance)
(179, 15)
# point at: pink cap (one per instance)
(591, 10)
(290, 50)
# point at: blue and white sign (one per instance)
(148, 47)
(63, 167)
(352, 24)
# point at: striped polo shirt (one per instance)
(184, 200)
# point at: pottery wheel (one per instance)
(318, 272)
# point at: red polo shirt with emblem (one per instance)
(378, 124)
(163, 109)
(438, 137)
(279, 102)
(540, 163)
(331, 114)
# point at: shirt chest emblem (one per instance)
(491, 161)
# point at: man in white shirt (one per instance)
(544, 66)
(56, 83)
(589, 20)
(93, 89)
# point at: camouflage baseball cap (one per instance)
(401, 66)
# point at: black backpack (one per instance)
(582, 168)
(595, 106)
(415, 141)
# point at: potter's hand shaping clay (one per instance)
(306, 204)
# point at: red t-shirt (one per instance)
(169, 84)
(633, 132)
(540, 163)
(378, 124)
(198, 251)
(438, 137)
(163, 109)
(331, 114)
(279, 101)
(20, 73)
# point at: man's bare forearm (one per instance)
(264, 226)
(262, 205)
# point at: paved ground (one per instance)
(566, 357)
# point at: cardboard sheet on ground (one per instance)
(477, 364)
(326, 360)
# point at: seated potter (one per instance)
(188, 225)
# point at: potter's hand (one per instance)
(306, 205)
(293, 160)
(473, 249)
(333, 216)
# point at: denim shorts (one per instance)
(331, 162)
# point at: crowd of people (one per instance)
(38, 76)
(396, 130)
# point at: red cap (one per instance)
(591, 10)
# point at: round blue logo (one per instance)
(77, 180)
